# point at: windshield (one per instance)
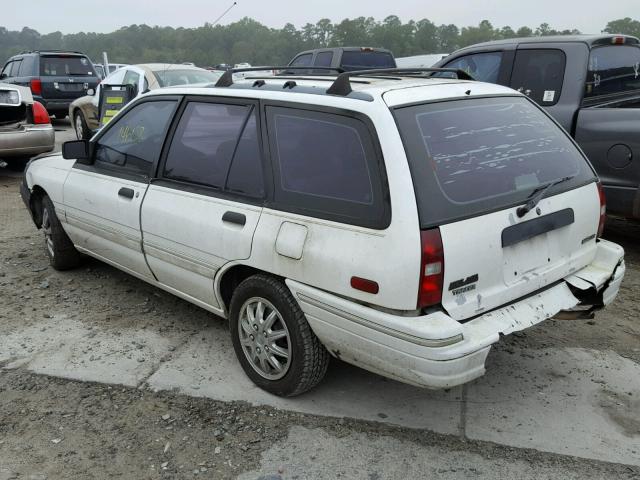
(65, 65)
(171, 77)
(613, 69)
(363, 60)
(469, 157)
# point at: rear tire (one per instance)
(272, 338)
(80, 126)
(58, 246)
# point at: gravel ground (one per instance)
(54, 428)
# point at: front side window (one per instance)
(539, 74)
(302, 60)
(15, 68)
(216, 145)
(7, 69)
(469, 157)
(134, 141)
(131, 78)
(613, 69)
(325, 163)
(484, 67)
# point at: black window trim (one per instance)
(506, 61)
(377, 169)
(200, 189)
(110, 171)
(556, 191)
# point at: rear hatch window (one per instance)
(474, 156)
(613, 69)
(366, 59)
(66, 65)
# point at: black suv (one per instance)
(56, 78)
(346, 58)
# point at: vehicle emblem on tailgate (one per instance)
(464, 285)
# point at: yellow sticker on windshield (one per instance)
(115, 99)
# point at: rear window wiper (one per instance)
(538, 194)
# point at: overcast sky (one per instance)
(70, 16)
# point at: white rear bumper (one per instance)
(435, 351)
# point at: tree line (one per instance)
(249, 41)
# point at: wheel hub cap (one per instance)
(264, 338)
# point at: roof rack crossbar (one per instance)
(342, 84)
(226, 80)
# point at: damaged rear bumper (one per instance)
(436, 351)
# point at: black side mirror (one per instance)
(77, 150)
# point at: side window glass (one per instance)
(539, 74)
(323, 59)
(204, 143)
(7, 69)
(326, 165)
(134, 141)
(483, 67)
(26, 67)
(15, 68)
(245, 175)
(131, 78)
(302, 60)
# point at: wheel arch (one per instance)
(35, 204)
(232, 275)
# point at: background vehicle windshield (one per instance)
(613, 69)
(171, 77)
(478, 155)
(61, 65)
(362, 60)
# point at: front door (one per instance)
(102, 200)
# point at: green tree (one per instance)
(625, 25)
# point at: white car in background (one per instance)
(84, 113)
(397, 222)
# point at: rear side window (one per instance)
(470, 157)
(134, 141)
(26, 68)
(65, 65)
(326, 164)
(324, 59)
(484, 67)
(302, 60)
(539, 74)
(216, 145)
(365, 59)
(613, 69)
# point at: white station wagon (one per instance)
(398, 222)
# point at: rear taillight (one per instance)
(36, 86)
(603, 209)
(40, 115)
(431, 269)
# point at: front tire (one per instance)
(58, 246)
(272, 338)
(80, 127)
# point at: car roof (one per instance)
(344, 49)
(396, 90)
(155, 67)
(589, 39)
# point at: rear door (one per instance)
(102, 200)
(202, 210)
(66, 76)
(474, 162)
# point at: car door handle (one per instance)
(126, 192)
(234, 217)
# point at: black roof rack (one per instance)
(342, 85)
(50, 51)
(226, 80)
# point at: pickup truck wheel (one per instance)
(273, 340)
(80, 126)
(59, 248)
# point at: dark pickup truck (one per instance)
(590, 84)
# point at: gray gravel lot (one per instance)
(103, 376)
